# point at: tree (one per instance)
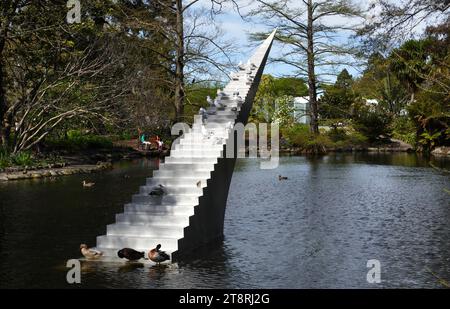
(338, 98)
(274, 100)
(380, 83)
(310, 41)
(56, 72)
(197, 50)
(290, 86)
(264, 102)
(392, 22)
(409, 64)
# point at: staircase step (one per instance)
(196, 154)
(201, 147)
(142, 217)
(169, 199)
(175, 189)
(190, 160)
(133, 208)
(180, 173)
(137, 243)
(145, 230)
(187, 166)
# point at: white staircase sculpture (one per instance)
(196, 176)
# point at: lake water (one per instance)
(317, 229)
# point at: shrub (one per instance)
(318, 144)
(297, 135)
(5, 159)
(76, 140)
(356, 138)
(404, 129)
(337, 134)
(371, 123)
(22, 159)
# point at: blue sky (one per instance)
(237, 30)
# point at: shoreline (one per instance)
(54, 172)
(83, 162)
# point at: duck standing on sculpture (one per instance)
(130, 254)
(210, 101)
(158, 256)
(90, 254)
(158, 190)
(219, 105)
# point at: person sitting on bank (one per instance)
(159, 142)
(145, 143)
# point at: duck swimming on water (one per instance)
(158, 256)
(282, 177)
(88, 184)
(130, 254)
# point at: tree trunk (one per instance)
(314, 125)
(179, 64)
(5, 123)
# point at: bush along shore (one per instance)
(74, 155)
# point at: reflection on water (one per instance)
(315, 230)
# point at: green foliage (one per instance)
(404, 129)
(372, 123)
(409, 63)
(196, 98)
(337, 134)
(5, 159)
(428, 140)
(298, 135)
(338, 98)
(284, 111)
(77, 140)
(274, 99)
(318, 144)
(289, 86)
(24, 158)
(346, 138)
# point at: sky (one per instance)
(238, 30)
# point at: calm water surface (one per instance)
(317, 229)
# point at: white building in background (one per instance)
(301, 110)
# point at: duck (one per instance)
(158, 256)
(234, 76)
(251, 65)
(199, 184)
(210, 101)
(219, 105)
(88, 184)
(89, 253)
(282, 177)
(158, 190)
(130, 254)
